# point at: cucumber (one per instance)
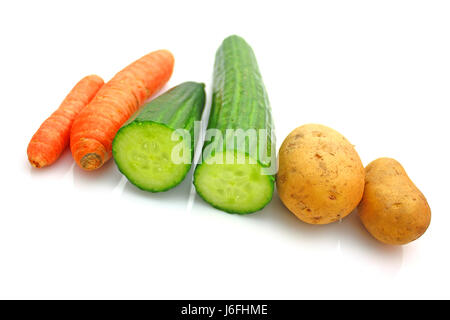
(143, 149)
(234, 179)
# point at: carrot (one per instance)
(52, 137)
(95, 127)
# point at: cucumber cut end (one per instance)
(237, 187)
(143, 153)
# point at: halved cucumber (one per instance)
(149, 151)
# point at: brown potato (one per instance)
(320, 177)
(393, 210)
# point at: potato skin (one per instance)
(320, 176)
(393, 209)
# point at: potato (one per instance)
(392, 209)
(320, 177)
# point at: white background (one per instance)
(377, 71)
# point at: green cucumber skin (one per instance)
(239, 99)
(178, 108)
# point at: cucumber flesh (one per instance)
(234, 188)
(144, 150)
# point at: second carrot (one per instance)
(96, 125)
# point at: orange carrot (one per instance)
(52, 137)
(95, 127)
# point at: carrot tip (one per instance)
(89, 154)
(91, 161)
(36, 164)
(37, 161)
